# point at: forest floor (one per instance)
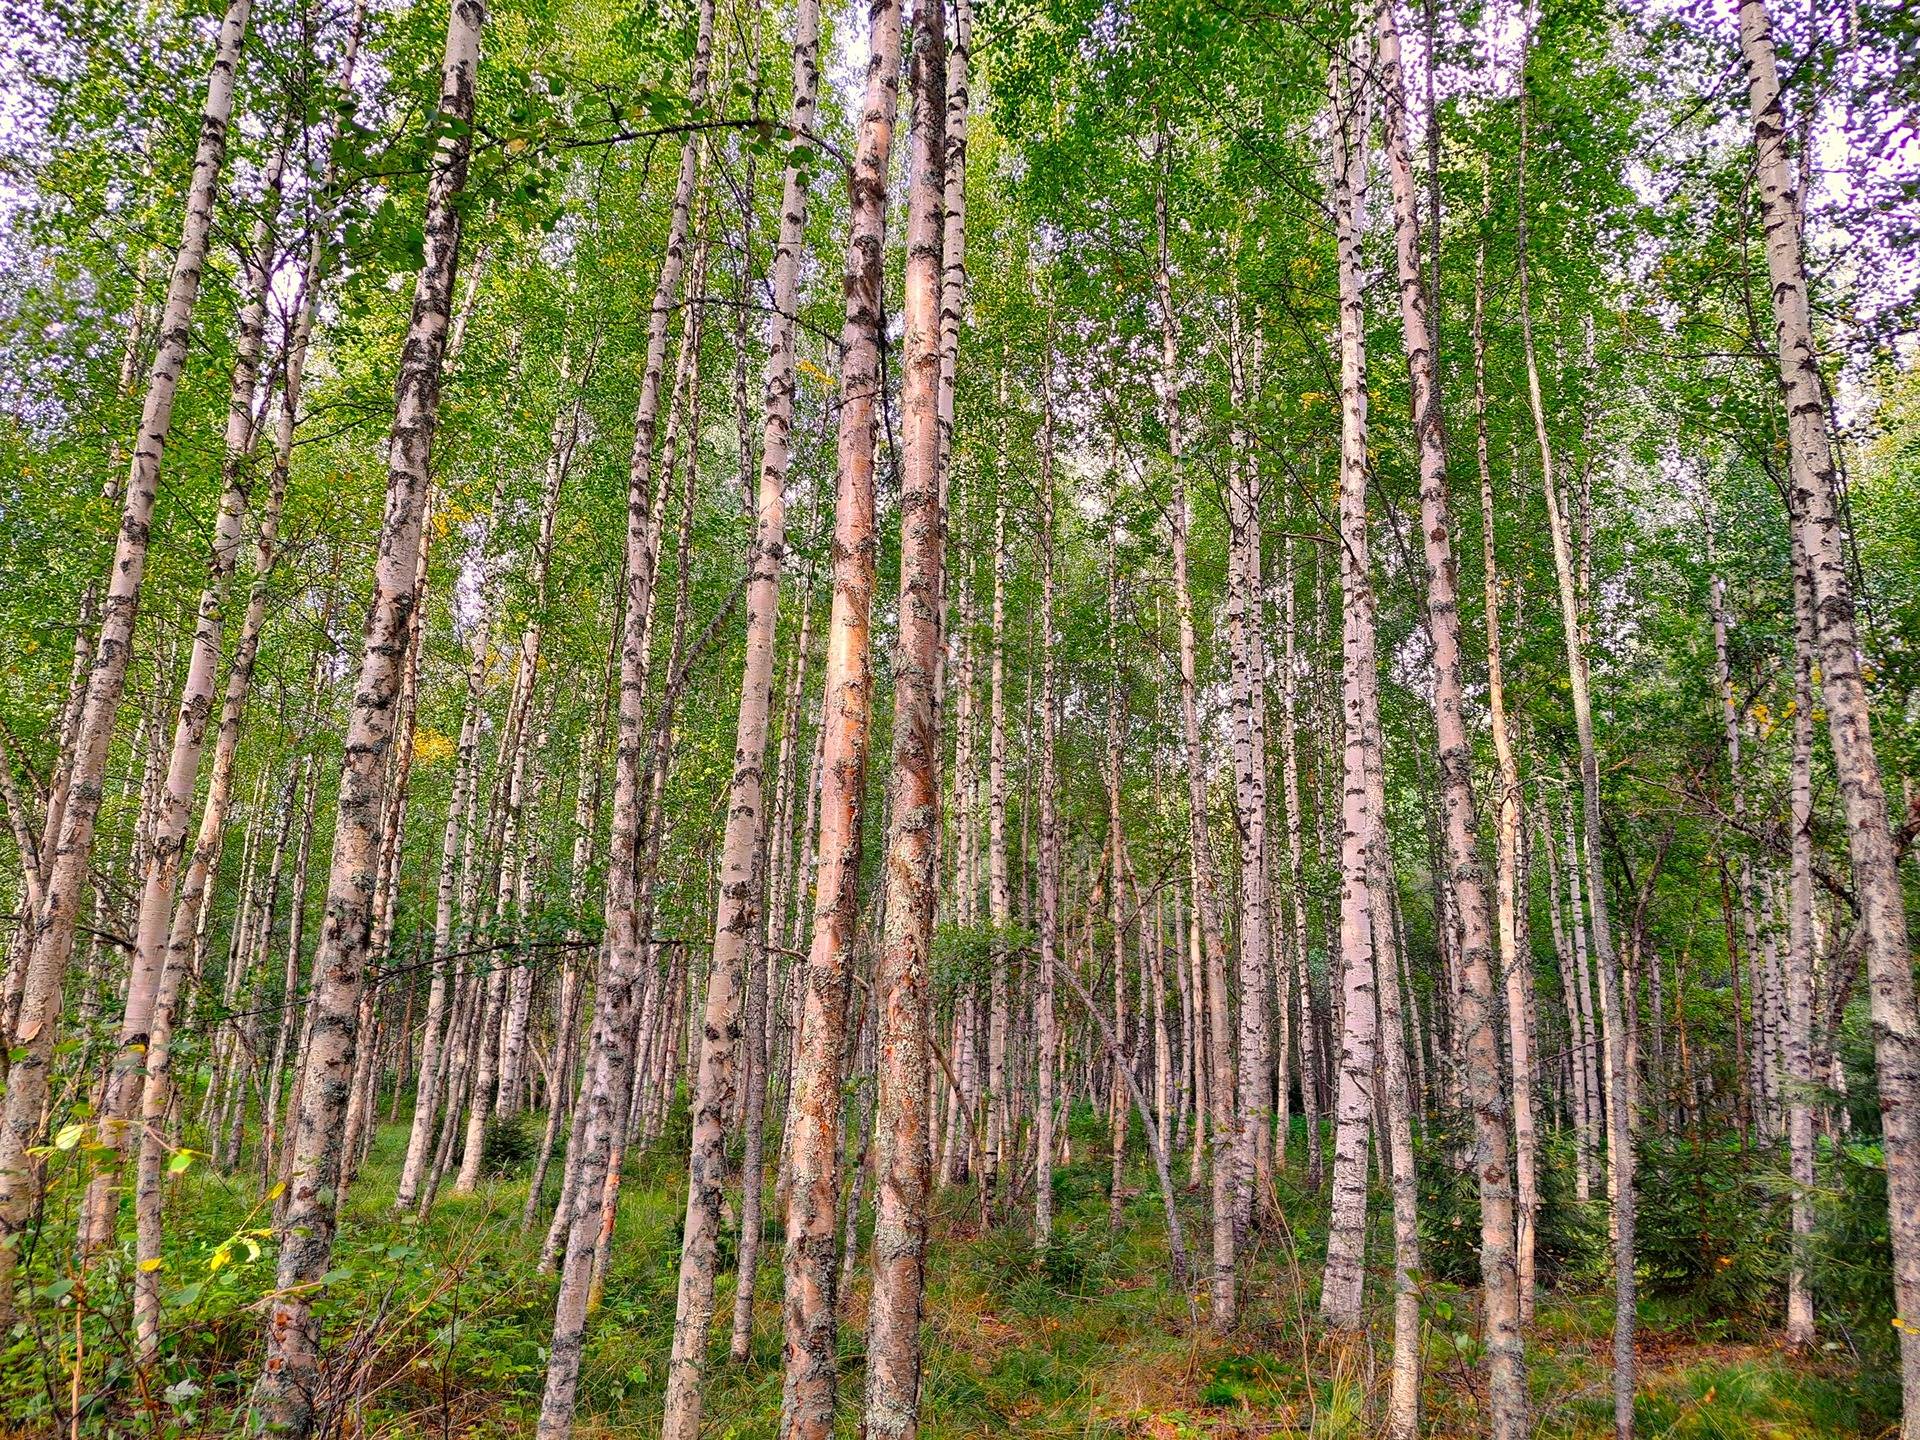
(445, 1326)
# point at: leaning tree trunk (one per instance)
(166, 844)
(48, 948)
(610, 1045)
(157, 1091)
(1466, 879)
(1817, 524)
(284, 1396)
(810, 1318)
(739, 929)
(903, 991)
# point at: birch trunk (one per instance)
(1309, 1029)
(438, 1032)
(610, 1055)
(999, 891)
(1193, 957)
(1817, 523)
(1516, 963)
(1247, 667)
(491, 1038)
(1116, 860)
(514, 1034)
(1394, 1104)
(1751, 1062)
(774, 860)
(47, 948)
(156, 1090)
(903, 993)
(1403, 1403)
(166, 845)
(1164, 1104)
(1799, 976)
(810, 1311)
(1619, 1123)
(1046, 1041)
(1205, 902)
(1499, 1276)
(1344, 1277)
(739, 929)
(284, 1396)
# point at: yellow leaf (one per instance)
(430, 747)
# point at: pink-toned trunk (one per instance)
(903, 988)
(810, 1310)
(1205, 892)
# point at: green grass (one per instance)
(449, 1321)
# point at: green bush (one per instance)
(1075, 1262)
(1569, 1236)
(508, 1144)
(1852, 1260)
(1711, 1228)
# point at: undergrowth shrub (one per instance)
(1088, 1132)
(1711, 1229)
(1076, 1262)
(508, 1143)
(1569, 1236)
(1247, 1380)
(1852, 1262)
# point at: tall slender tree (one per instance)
(50, 944)
(1814, 513)
(1466, 880)
(813, 1201)
(289, 1393)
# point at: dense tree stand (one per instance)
(775, 719)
